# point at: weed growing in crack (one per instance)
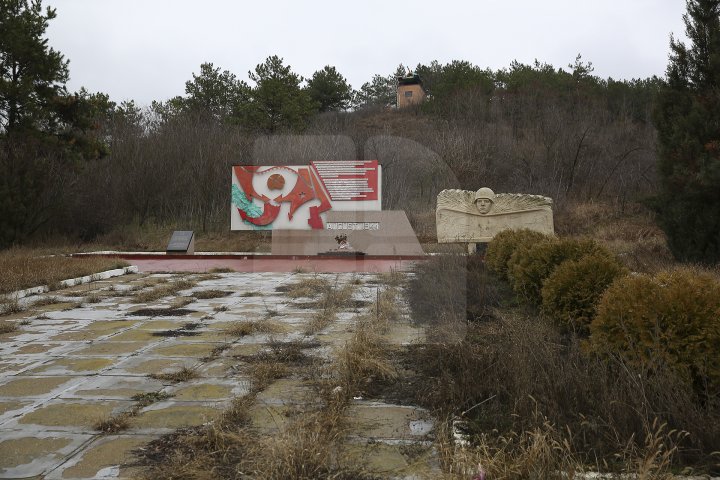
(8, 327)
(181, 302)
(243, 329)
(251, 294)
(209, 294)
(145, 399)
(333, 299)
(182, 375)
(44, 301)
(164, 289)
(93, 298)
(10, 305)
(269, 311)
(114, 424)
(73, 306)
(215, 352)
(306, 287)
(121, 421)
(221, 270)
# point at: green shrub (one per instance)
(572, 291)
(671, 319)
(502, 246)
(530, 265)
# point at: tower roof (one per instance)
(410, 79)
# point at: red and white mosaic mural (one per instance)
(297, 197)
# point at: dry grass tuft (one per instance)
(364, 360)
(181, 302)
(251, 294)
(307, 287)
(308, 448)
(385, 308)
(244, 329)
(145, 399)
(120, 422)
(393, 278)
(545, 451)
(221, 270)
(10, 305)
(163, 290)
(207, 276)
(216, 352)
(182, 375)
(44, 301)
(208, 294)
(93, 298)
(334, 298)
(541, 452)
(114, 424)
(8, 327)
(73, 306)
(264, 373)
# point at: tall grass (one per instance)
(22, 268)
(516, 374)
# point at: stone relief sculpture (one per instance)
(464, 216)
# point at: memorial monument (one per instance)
(305, 206)
(464, 216)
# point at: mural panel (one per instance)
(297, 197)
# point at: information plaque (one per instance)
(182, 242)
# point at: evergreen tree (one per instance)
(214, 92)
(380, 91)
(687, 118)
(277, 102)
(329, 90)
(32, 75)
(44, 132)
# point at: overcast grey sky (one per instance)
(146, 49)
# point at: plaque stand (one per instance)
(182, 242)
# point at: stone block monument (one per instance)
(387, 232)
(464, 216)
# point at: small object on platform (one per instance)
(343, 243)
(182, 242)
(344, 248)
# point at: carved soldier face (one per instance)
(483, 205)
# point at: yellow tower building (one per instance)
(409, 90)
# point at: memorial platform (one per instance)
(259, 262)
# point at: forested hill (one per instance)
(532, 128)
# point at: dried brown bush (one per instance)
(572, 291)
(502, 246)
(531, 264)
(672, 318)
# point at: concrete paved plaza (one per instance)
(70, 366)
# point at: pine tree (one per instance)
(330, 90)
(277, 102)
(687, 117)
(44, 131)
